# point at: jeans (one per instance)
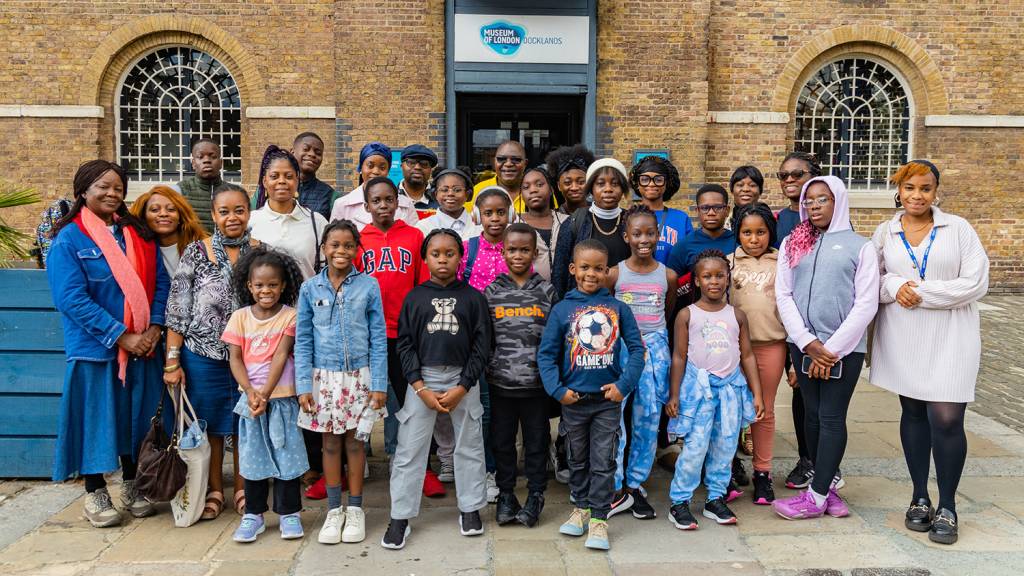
(508, 415)
(825, 406)
(592, 432)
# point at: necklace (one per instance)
(923, 227)
(602, 230)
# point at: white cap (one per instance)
(607, 163)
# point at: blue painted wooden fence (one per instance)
(31, 374)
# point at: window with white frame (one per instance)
(168, 99)
(855, 115)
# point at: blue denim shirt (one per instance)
(340, 331)
(90, 302)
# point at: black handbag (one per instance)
(161, 472)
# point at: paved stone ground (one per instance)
(1000, 392)
(42, 530)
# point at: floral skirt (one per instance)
(342, 400)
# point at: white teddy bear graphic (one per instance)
(444, 319)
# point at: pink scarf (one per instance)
(129, 269)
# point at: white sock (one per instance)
(819, 500)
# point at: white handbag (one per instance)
(194, 448)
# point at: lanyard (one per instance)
(910, 252)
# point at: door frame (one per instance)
(518, 78)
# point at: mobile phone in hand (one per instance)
(835, 373)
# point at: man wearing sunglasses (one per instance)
(418, 162)
(509, 168)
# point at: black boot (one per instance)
(508, 507)
(530, 514)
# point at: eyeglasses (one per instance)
(450, 190)
(795, 174)
(646, 180)
(709, 208)
(421, 162)
(516, 160)
(820, 201)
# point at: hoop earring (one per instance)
(896, 199)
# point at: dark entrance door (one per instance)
(540, 122)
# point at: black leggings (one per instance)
(936, 429)
(287, 496)
(825, 406)
(94, 482)
(798, 414)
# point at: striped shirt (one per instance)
(931, 352)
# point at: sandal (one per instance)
(214, 505)
(240, 502)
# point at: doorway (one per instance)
(540, 122)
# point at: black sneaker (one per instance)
(732, 491)
(801, 475)
(507, 508)
(623, 501)
(764, 493)
(394, 538)
(920, 515)
(470, 523)
(681, 517)
(943, 530)
(718, 511)
(739, 473)
(642, 509)
(529, 515)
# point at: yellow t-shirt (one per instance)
(518, 205)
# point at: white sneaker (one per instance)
(330, 533)
(100, 511)
(492, 489)
(355, 525)
(133, 503)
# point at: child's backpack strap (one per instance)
(579, 217)
(471, 252)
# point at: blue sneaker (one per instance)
(597, 536)
(252, 526)
(291, 527)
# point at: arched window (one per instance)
(169, 98)
(854, 114)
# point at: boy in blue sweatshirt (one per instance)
(579, 359)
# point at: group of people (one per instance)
(466, 315)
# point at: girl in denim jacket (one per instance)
(341, 371)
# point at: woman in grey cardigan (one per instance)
(927, 344)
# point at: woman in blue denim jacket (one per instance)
(110, 286)
(341, 371)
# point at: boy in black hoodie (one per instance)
(444, 336)
(519, 302)
(580, 362)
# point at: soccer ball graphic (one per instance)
(595, 331)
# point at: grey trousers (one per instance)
(444, 435)
(414, 433)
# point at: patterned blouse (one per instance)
(200, 303)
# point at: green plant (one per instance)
(12, 240)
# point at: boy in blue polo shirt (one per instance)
(712, 203)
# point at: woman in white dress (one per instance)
(927, 344)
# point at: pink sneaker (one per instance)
(799, 507)
(835, 506)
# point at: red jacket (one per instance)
(393, 258)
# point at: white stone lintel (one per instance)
(975, 121)
(289, 112)
(747, 117)
(49, 111)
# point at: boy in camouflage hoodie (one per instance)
(519, 303)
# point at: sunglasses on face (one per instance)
(646, 180)
(795, 174)
(515, 160)
(709, 208)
